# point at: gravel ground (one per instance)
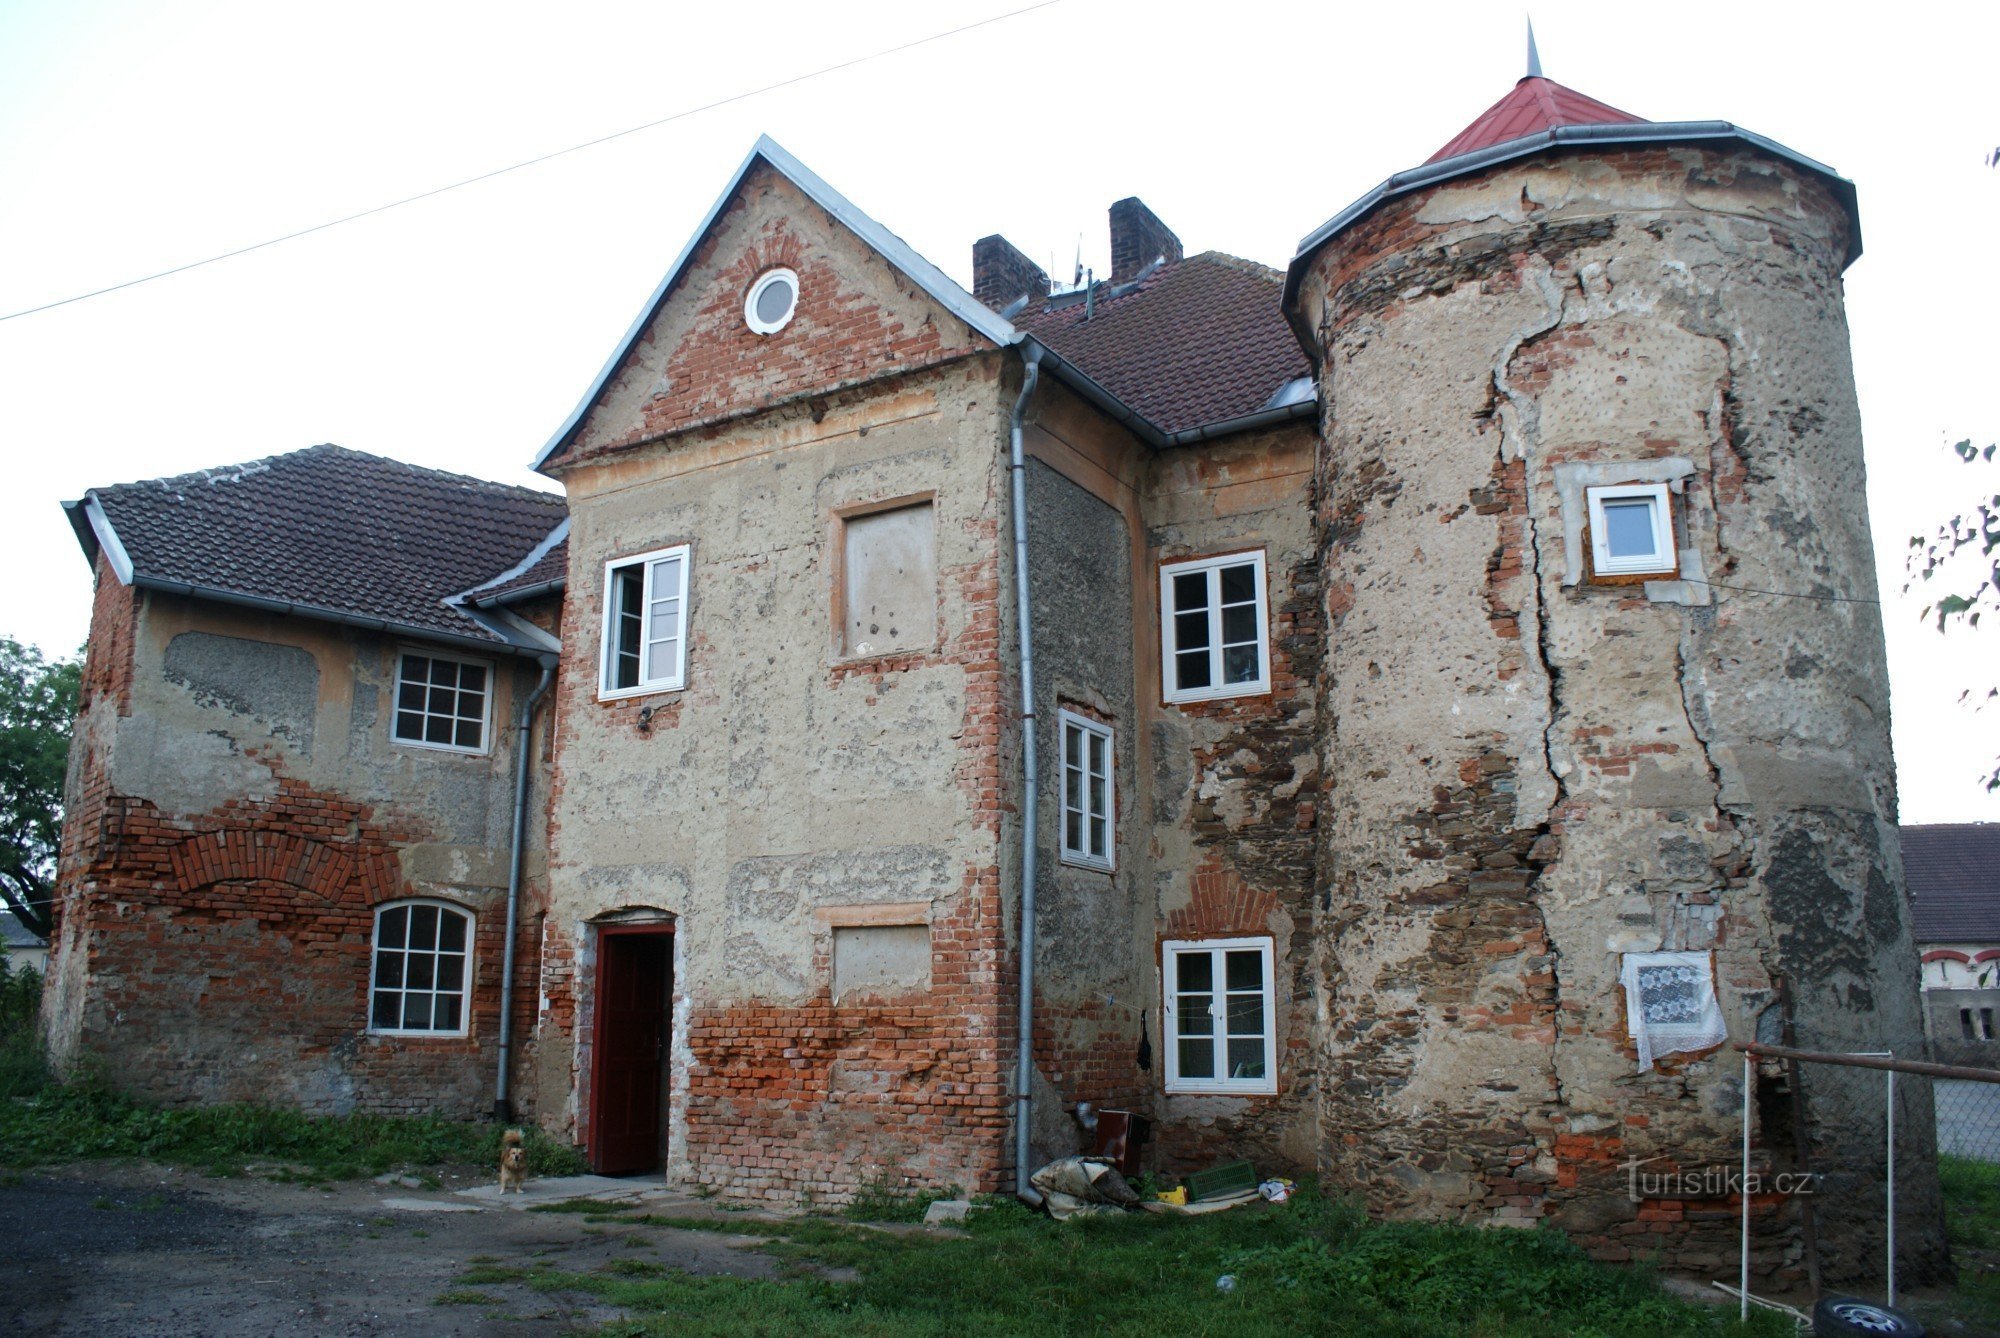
(118, 1249)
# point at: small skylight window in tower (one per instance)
(772, 301)
(1631, 530)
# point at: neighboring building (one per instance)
(1954, 872)
(24, 947)
(1402, 681)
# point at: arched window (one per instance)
(423, 960)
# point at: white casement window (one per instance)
(423, 964)
(442, 703)
(1220, 1007)
(1215, 633)
(1089, 834)
(1631, 530)
(645, 623)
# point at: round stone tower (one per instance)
(1604, 679)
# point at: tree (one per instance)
(1963, 556)
(37, 709)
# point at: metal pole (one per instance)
(1743, 1271)
(1024, 1063)
(1889, 1209)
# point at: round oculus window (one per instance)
(772, 301)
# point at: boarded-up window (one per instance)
(881, 960)
(889, 585)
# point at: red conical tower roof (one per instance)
(1532, 106)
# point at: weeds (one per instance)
(879, 1201)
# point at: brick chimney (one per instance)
(1138, 238)
(1000, 274)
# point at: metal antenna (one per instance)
(1534, 56)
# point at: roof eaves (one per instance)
(1464, 164)
(1283, 407)
(346, 618)
(892, 248)
(94, 534)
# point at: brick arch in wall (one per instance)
(1222, 905)
(247, 855)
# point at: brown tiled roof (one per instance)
(1954, 873)
(547, 572)
(1196, 342)
(332, 530)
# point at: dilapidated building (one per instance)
(1391, 718)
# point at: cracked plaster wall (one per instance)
(1530, 774)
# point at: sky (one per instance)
(458, 332)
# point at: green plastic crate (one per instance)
(1218, 1182)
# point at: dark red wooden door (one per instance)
(632, 998)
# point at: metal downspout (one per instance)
(1024, 1100)
(524, 719)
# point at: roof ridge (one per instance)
(1242, 263)
(236, 473)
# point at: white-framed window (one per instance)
(1631, 530)
(1220, 1008)
(422, 969)
(645, 623)
(771, 302)
(1214, 630)
(442, 702)
(1089, 831)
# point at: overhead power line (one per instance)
(538, 159)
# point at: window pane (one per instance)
(1239, 664)
(451, 932)
(423, 927)
(416, 668)
(409, 725)
(437, 729)
(1239, 584)
(1097, 804)
(1190, 631)
(1246, 1059)
(661, 659)
(1628, 527)
(1243, 969)
(1073, 830)
(472, 678)
(774, 301)
(1194, 971)
(422, 971)
(467, 734)
(1191, 668)
(388, 1009)
(1246, 1015)
(411, 696)
(447, 1012)
(1191, 1015)
(1197, 1057)
(451, 972)
(1098, 845)
(1100, 755)
(1239, 624)
(416, 1012)
(390, 929)
(1190, 591)
(389, 970)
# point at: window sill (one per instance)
(442, 748)
(1221, 1089)
(418, 1035)
(1231, 693)
(643, 690)
(1085, 863)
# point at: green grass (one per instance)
(1971, 1191)
(1303, 1267)
(45, 1122)
(464, 1296)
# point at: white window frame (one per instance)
(1663, 560)
(1104, 860)
(1170, 953)
(465, 981)
(765, 280)
(396, 704)
(1216, 689)
(606, 658)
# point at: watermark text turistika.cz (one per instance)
(1708, 1182)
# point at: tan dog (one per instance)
(513, 1163)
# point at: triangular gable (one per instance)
(932, 281)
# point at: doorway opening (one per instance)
(628, 1107)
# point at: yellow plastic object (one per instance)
(1177, 1197)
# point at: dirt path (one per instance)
(124, 1249)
